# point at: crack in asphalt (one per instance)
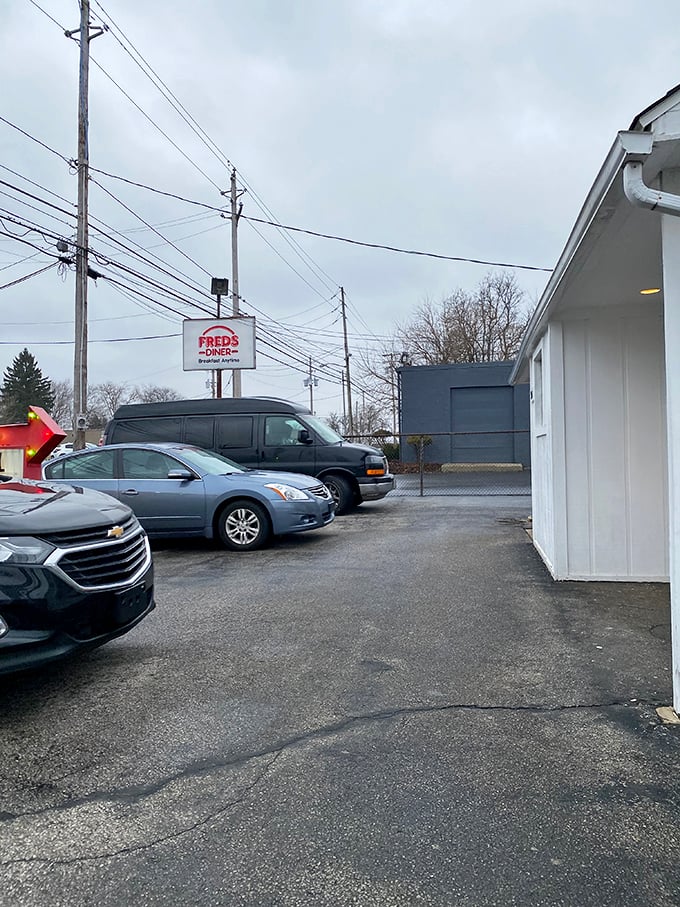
(136, 848)
(139, 792)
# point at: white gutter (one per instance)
(637, 146)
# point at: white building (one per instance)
(602, 355)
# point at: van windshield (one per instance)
(206, 460)
(323, 430)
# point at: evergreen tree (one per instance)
(24, 386)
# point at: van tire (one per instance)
(341, 491)
(243, 526)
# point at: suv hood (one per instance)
(29, 508)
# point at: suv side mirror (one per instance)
(304, 437)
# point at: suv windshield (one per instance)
(323, 429)
(209, 462)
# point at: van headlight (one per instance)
(375, 465)
(24, 549)
(287, 492)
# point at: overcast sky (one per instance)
(471, 129)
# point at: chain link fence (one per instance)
(456, 463)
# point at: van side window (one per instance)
(234, 431)
(163, 428)
(198, 430)
(282, 430)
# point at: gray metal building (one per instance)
(469, 410)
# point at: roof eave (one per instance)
(537, 323)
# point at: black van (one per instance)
(264, 433)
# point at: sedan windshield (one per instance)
(207, 461)
(323, 429)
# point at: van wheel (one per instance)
(341, 491)
(243, 526)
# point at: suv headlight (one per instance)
(375, 465)
(287, 492)
(23, 549)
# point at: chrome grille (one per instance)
(72, 537)
(320, 491)
(109, 564)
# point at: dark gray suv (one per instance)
(75, 571)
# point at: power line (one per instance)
(271, 223)
(155, 125)
(45, 13)
(332, 236)
(28, 276)
(370, 245)
(32, 342)
(153, 229)
(140, 61)
(276, 251)
(34, 139)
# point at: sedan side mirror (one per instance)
(182, 474)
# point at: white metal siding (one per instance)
(542, 519)
(616, 514)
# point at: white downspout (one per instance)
(639, 193)
(668, 204)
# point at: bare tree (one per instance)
(62, 408)
(108, 396)
(369, 422)
(152, 393)
(485, 325)
(336, 422)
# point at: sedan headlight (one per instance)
(23, 549)
(287, 492)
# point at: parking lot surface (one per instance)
(400, 709)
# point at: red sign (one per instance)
(38, 437)
(218, 340)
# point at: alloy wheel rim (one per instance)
(242, 526)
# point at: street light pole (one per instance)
(219, 286)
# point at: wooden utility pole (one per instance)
(347, 355)
(235, 306)
(80, 338)
(393, 384)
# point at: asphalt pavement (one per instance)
(400, 709)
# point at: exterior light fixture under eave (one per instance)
(650, 291)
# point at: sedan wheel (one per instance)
(243, 526)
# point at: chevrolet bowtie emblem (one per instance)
(115, 532)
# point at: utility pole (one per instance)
(347, 355)
(344, 402)
(235, 307)
(311, 382)
(80, 338)
(393, 383)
